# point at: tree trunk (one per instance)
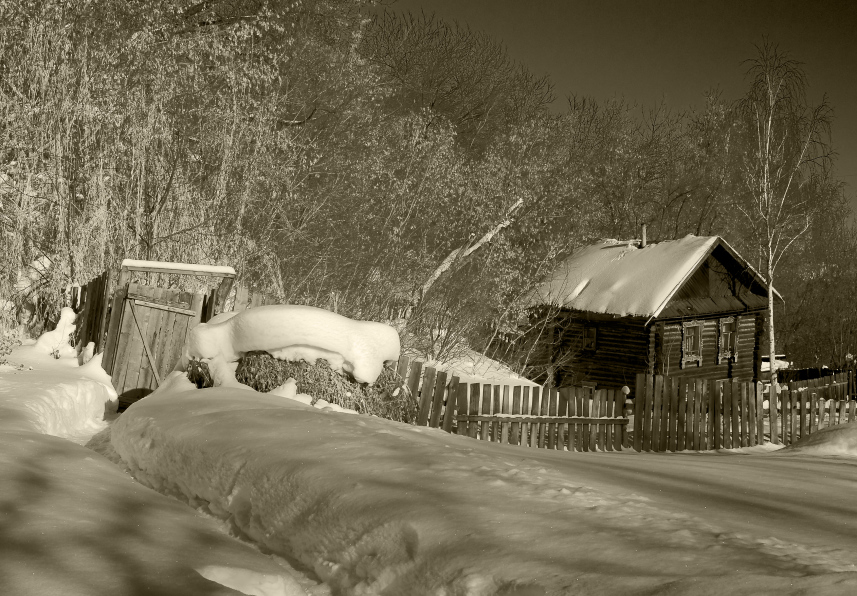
(771, 343)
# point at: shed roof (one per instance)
(618, 277)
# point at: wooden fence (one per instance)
(671, 414)
(93, 303)
(571, 418)
(798, 412)
(674, 414)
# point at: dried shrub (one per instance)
(198, 374)
(388, 397)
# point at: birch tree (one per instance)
(786, 158)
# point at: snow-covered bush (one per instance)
(388, 397)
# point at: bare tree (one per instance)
(786, 157)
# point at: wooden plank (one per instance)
(681, 414)
(744, 427)
(736, 413)
(793, 421)
(562, 410)
(689, 416)
(760, 413)
(852, 411)
(525, 408)
(581, 395)
(130, 352)
(542, 411)
(155, 301)
(402, 368)
(843, 411)
(495, 408)
(163, 346)
(585, 434)
(751, 415)
(437, 399)
(473, 409)
(639, 400)
(157, 306)
(114, 325)
(485, 404)
(515, 428)
(416, 370)
(426, 396)
(461, 408)
(102, 314)
(552, 411)
(698, 420)
(150, 332)
(505, 408)
(609, 411)
(535, 419)
(803, 412)
(813, 413)
(727, 415)
(671, 384)
(175, 271)
(451, 408)
(179, 335)
(595, 412)
(619, 413)
(657, 412)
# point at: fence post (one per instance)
(639, 400)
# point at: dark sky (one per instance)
(674, 50)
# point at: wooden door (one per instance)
(147, 331)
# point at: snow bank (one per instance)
(55, 397)
(291, 332)
(377, 507)
(833, 440)
(57, 341)
(473, 367)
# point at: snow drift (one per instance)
(291, 332)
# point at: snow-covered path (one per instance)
(807, 500)
(376, 507)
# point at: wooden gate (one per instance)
(148, 337)
(148, 326)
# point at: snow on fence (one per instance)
(570, 418)
(674, 414)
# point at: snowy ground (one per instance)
(368, 506)
(74, 524)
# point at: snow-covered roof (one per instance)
(617, 277)
(222, 270)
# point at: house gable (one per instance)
(720, 284)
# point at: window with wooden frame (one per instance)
(691, 344)
(590, 337)
(728, 347)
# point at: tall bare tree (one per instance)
(786, 158)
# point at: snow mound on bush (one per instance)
(834, 440)
(292, 332)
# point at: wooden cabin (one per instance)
(691, 307)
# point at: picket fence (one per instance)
(570, 418)
(673, 414)
(668, 414)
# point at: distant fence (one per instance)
(674, 414)
(670, 414)
(571, 418)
